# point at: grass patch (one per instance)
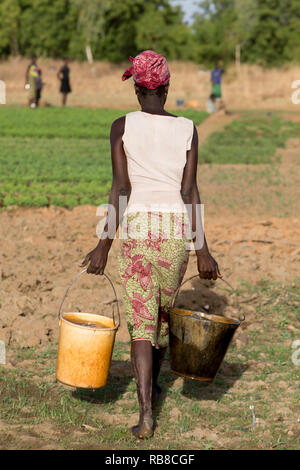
(252, 139)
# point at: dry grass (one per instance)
(101, 86)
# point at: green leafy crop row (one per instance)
(253, 139)
(58, 156)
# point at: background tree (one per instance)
(161, 28)
(267, 30)
(118, 39)
(131, 26)
(46, 27)
(10, 13)
(275, 39)
(90, 21)
(245, 22)
(213, 31)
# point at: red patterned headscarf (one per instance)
(149, 70)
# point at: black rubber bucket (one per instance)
(199, 341)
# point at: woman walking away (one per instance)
(154, 163)
(64, 76)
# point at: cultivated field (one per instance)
(249, 180)
(51, 156)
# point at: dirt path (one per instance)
(215, 122)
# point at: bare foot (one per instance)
(143, 430)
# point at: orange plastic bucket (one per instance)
(86, 342)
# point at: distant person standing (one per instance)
(216, 81)
(64, 76)
(31, 77)
(39, 86)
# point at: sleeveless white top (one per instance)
(156, 150)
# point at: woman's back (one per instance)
(156, 148)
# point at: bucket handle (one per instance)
(173, 300)
(112, 286)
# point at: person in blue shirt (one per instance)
(216, 80)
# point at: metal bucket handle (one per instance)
(112, 286)
(241, 317)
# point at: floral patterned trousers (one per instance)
(152, 266)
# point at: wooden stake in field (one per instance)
(238, 59)
(89, 55)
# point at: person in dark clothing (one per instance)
(64, 76)
(39, 86)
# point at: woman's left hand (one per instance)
(207, 266)
(97, 259)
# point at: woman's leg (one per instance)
(158, 356)
(141, 356)
(64, 99)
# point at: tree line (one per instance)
(266, 32)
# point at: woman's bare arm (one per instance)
(120, 187)
(207, 266)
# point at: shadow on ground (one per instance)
(120, 376)
(225, 379)
(202, 296)
(211, 298)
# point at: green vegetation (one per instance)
(54, 156)
(114, 29)
(252, 139)
(267, 31)
(69, 123)
(58, 156)
(259, 372)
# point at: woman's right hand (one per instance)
(97, 259)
